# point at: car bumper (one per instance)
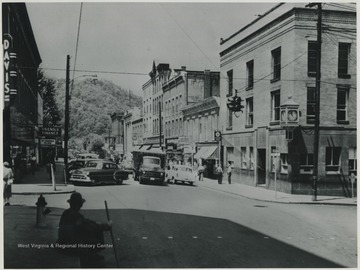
(80, 178)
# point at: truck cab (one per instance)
(149, 167)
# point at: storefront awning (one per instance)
(207, 152)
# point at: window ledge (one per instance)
(332, 173)
(344, 76)
(274, 80)
(249, 126)
(343, 122)
(229, 128)
(274, 123)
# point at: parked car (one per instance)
(99, 172)
(77, 164)
(181, 173)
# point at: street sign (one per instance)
(217, 135)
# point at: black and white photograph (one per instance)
(179, 134)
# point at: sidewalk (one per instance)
(28, 246)
(266, 195)
(40, 182)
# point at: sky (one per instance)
(119, 41)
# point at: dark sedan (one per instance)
(99, 172)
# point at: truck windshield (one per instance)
(151, 162)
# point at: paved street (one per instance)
(180, 226)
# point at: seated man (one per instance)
(80, 236)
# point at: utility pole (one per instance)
(317, 102)
(67, 98)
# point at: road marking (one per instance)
(194, 237)
(219, 237)
(144, 238)
(170, 237)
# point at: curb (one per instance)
(273, 201)
(43, 193)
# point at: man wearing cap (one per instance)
(81, 236)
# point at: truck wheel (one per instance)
(191, 183)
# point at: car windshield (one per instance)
(151, 161)
(79, 163)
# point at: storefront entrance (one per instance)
(261, 167)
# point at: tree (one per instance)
(52, 116)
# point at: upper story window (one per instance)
(250, 74)
(343, 64)
(312, 56)
(276, 64)
(230, 82)
(249, 111)
(275, 106)
(310, 105)
(342, 104)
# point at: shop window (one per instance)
(284, 163)
(332, 162)
(251, 158)
(243, 158)
(306, 163)
(352, 161)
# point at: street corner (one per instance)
(38, 189)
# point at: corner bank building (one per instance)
(271, 64)
(22, 101)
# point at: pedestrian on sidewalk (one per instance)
(8, 178)
(229, 170)
(33, 164)
(201, 170)
(83, 233)
(219, 173)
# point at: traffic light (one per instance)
(235, 104)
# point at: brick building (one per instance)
(23, 102)
(271, 62)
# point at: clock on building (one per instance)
(292, 115)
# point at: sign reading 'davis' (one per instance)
(10, 73)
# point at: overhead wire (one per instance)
(77, 46)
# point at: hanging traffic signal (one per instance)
(235, 103)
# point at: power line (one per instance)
(77, 43)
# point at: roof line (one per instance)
(248, 25)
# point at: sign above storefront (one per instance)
(10, 73)
(50, 132)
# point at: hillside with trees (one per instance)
(91, 104)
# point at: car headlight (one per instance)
(143, 172)
(86, 173)
(161, 174)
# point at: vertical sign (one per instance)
(10, 73)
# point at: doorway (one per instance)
(261, 167)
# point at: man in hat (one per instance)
(81, 236)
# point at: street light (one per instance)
(67, 112)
